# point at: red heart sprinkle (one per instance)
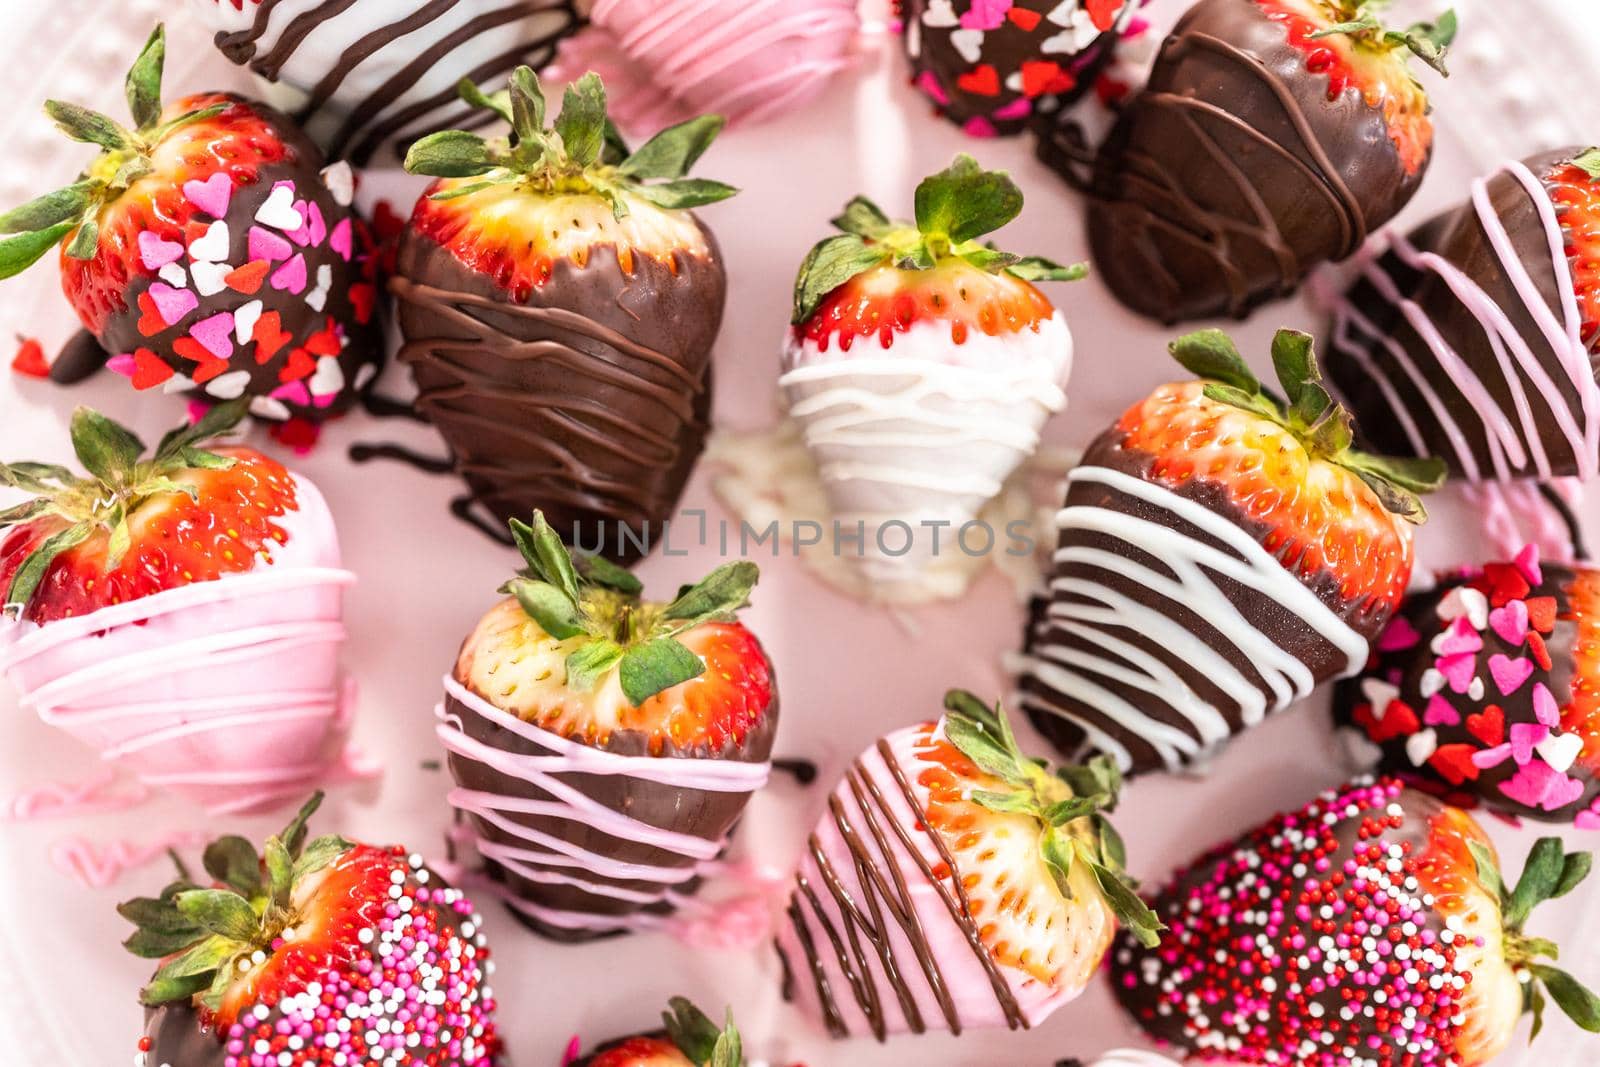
(30, 360)
(363, 298)
(149, 370)
(299, 365)
(209, 369)
(1541, 653)
(150, 320)
(1488, 726)
(248, 278)
(269, 336)
(983, 80)
(1454, 763)
(1024, 18)
(1103, 13)
(1505, 583)
(1542, 613)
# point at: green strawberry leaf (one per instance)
(121, 538)
(143, 83)
(657, 665)
(26, 511)
(729, 1049)
(1575, 868)
(318, 853)
(452, 154)
(1058, 853)
(1128, 906)
(106, 449)
(1040, 269)
(526, 97)
(685, 193)
(616, 149)
(187, 974)
(87, 126)
(546, 554)
(280, 872)
(597, 570)
(1540, 876)
(1588, 161)
(232, 860)
(672, 152)
(592, 662)
(63, 205)
(153, 943)
(863, 218)
(32, 572)
(498, 102)
(220, 911)
(167, 990)
(830, 263)
(19, 253)
(1212, 355)
(86, 241)
(549, 607)
(1488, 871)
(1014, 801)
(1571, 996)
(716, 596)
(964, 201)
(582, 122)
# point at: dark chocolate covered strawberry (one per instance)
(209, 252)
(1273, 135)
(1486, 688)
(1220, 553)
(315, 952)
(1371, 928)
(687, 1038)
(1473, 337)
(558, 302)
(604, 745)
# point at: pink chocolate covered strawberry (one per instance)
(319, 951)
(956, 884)
(209, 252)
(1371, 928)
(179, 611)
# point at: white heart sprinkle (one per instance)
(1464, 600)
(940, 13)
(1359, 752)
(174, 275)
(278, 210)
(1014, 82)
(213, 246)
(208, 277)
(329, 377)
(1421, 746)
(341, 182)
(177, 384)
(365, 375)
(228, 386)
(1431, 682)
(318, 297)
(1475, 689)
(244, 320)
(1560, 750)
(1063, 13)
(1379, 693)
(969, 43)
(266, 407)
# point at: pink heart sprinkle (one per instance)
(1510, 621)
(1524, 735)
(292, 275)
(172, 304)
(1491, 757)
(1398, 636)
(1439, 712)
(211, 196)
(1527, 562)
(978, 126)
(124, 364)
(215, 334)
(156, 253)
(341, 240)
(1460, 637)
(197, 409)
(264, 244)
(1538, 785)
(1587, 820)
(294, 392)
(1544, 706)
(314, 230)
(1458, 670)
(1509, 674)
(985, 14)
(930, 86)
(1020, 108)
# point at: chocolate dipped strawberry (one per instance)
(1273, 135)
(921, 364)
(687, 1038)
(954, 883)
(987, 65)
(1371, 928)
(604, 745)
(179, 612)
(558, 302)
(367, 77)
(316, 951)
(1473, 337)
(1220, 553)
(1486, 689)
(208, 252)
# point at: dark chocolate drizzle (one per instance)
(363, 127)
(80, 358)
(1569, 518)
(879, 897)
(1233, 174)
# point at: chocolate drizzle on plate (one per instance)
(878, 913)
(405, 43)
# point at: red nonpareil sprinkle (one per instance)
(29, 359)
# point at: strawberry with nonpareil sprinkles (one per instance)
(558, 301)
(921, 364)
(1486, 688)
(604, 745)
(954, 883)
(1372, 928)
(208, 252)
(986, 63)
(1473, 337)
(1273, 135)
(1221, 552)
(688, 1038)
(317, 951)
(179, 611)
